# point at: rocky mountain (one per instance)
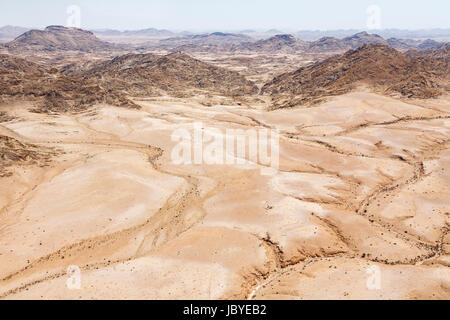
(441, 52)
(313, 35)
(176, 73)
(58, 38)
(216, 41)
(377, 66)
(279, 43)
(52, 91)
(331, 44)
(80, 85)
(328, 44)
(358, 40)
(112, 81)
(352, 42)
(15, 152)
(428, 44)
(439, 57)
(13, 65)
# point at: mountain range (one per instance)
(113, 81)
(369, 60)
(279, 43)
(282, 43)
(58, 38)
(377, 66)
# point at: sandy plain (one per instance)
(363, 184)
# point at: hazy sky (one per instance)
(228, 14)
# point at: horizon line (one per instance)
(232, 30)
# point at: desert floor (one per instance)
(362, 191)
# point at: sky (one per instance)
(227, 15)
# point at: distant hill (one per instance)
(359, 39)
(279, 43)
(150, 74)
(313, 35)
(441, 52)
(377, 66)
(428, 44)
(438, 56)
(9, 33)
(353, 42)
(208, 42)
(328, 44)
(398, 44)
(58, 38)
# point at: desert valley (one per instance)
(88, 182)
